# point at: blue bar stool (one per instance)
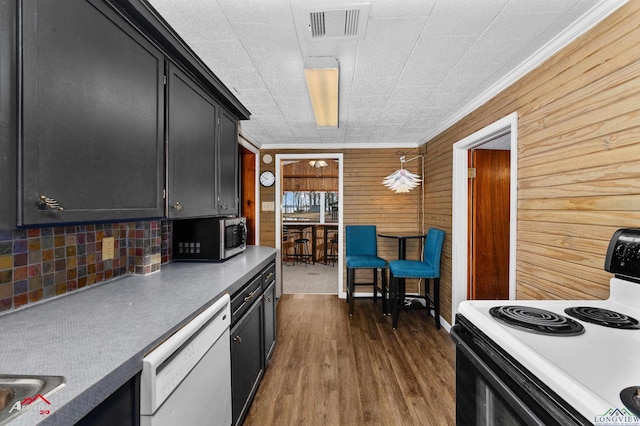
(429, 269)
(362, 253)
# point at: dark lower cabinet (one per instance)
(269, 301)
(92, 116)
(253, 338)
(122, 408)
(247, 362)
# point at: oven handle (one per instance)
(496, 383)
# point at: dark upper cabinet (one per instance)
(228, 199)
(92, 102)
(8, 114)
(191, 116)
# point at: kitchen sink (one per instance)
(25, 389)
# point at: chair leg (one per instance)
(350, 280)
(375, 284)
(384, 292)
(436, 301)
(395, 293)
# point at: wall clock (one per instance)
(267, 179)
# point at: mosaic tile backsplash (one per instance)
(41, 263)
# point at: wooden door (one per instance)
(489, 225)
(248, 192)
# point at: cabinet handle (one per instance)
(237, 339)
(51, 203)
(270, 275)
(268, 299)
(178, 206)
(249, 297)
(223, 206)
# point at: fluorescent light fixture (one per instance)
(322, 74)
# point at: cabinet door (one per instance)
(228, 165)
(191, 118)
(92, 124)
(246, 361)
(269, 300)
(8, 117)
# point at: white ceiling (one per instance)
(421, 66)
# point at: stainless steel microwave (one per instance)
(209, 239)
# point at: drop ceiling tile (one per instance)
(268, 40)
(195, 20)
(410, 93)
(382, 56)
(539, 6)
(279, 67)
(269, 110)
(394, 8)
(523, 30)
(365, 114)
(277, 131)
(451, 17)
(373, 87)
(237, 80)
(255, 97)
(405, 109)
(483, 62)
(252, 11)
(228, 54)
(287, 88)
(304, 130)
(399, 119)
(368, 102)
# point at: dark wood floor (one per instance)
(329, 369)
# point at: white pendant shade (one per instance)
(402, 180)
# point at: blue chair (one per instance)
(362, 253)
(428, 269)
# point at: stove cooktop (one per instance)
(588, 369)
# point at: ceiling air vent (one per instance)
(348, 23)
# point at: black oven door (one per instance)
(494, 389)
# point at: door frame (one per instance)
(246, 144)
(460, 207)
(278, 206)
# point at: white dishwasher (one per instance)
(186, 380)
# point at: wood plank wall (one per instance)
(366, 200)
(578, 169)
(300, 176)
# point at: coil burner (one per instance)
(536, 320)
(603, 317)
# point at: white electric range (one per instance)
(554, 362)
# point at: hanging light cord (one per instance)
(402, 161)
